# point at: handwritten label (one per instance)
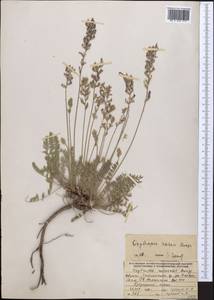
(160, 266)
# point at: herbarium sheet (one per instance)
(99, 148)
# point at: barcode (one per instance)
(178, 14)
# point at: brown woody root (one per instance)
(42, 242)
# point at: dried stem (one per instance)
(95, 146)
(101, 144)
(121, 132)
(66, 113)
(67, 128)
(78, 99)
(111, 139)
(133, 138)
(83, 133)
(135, 133)
(89, 127)
(98, 134)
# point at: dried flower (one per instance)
(90, 34)
(129, 86)
(151, 55)
(97, 69)
(84, 91)
(69, 70)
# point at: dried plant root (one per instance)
(41, 233)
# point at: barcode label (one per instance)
(178, 14)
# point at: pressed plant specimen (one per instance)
(85, 166)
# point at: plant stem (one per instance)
(76, 112)
(78, 99)
(89, 122)
(121, 133)
(102, 143)
(67, 127)
(98, 134)
(89, 139)
(66, 113)
(112, 136)
(83, 133)
(135, 133)
(133, 138)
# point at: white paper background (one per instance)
(37, 37)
